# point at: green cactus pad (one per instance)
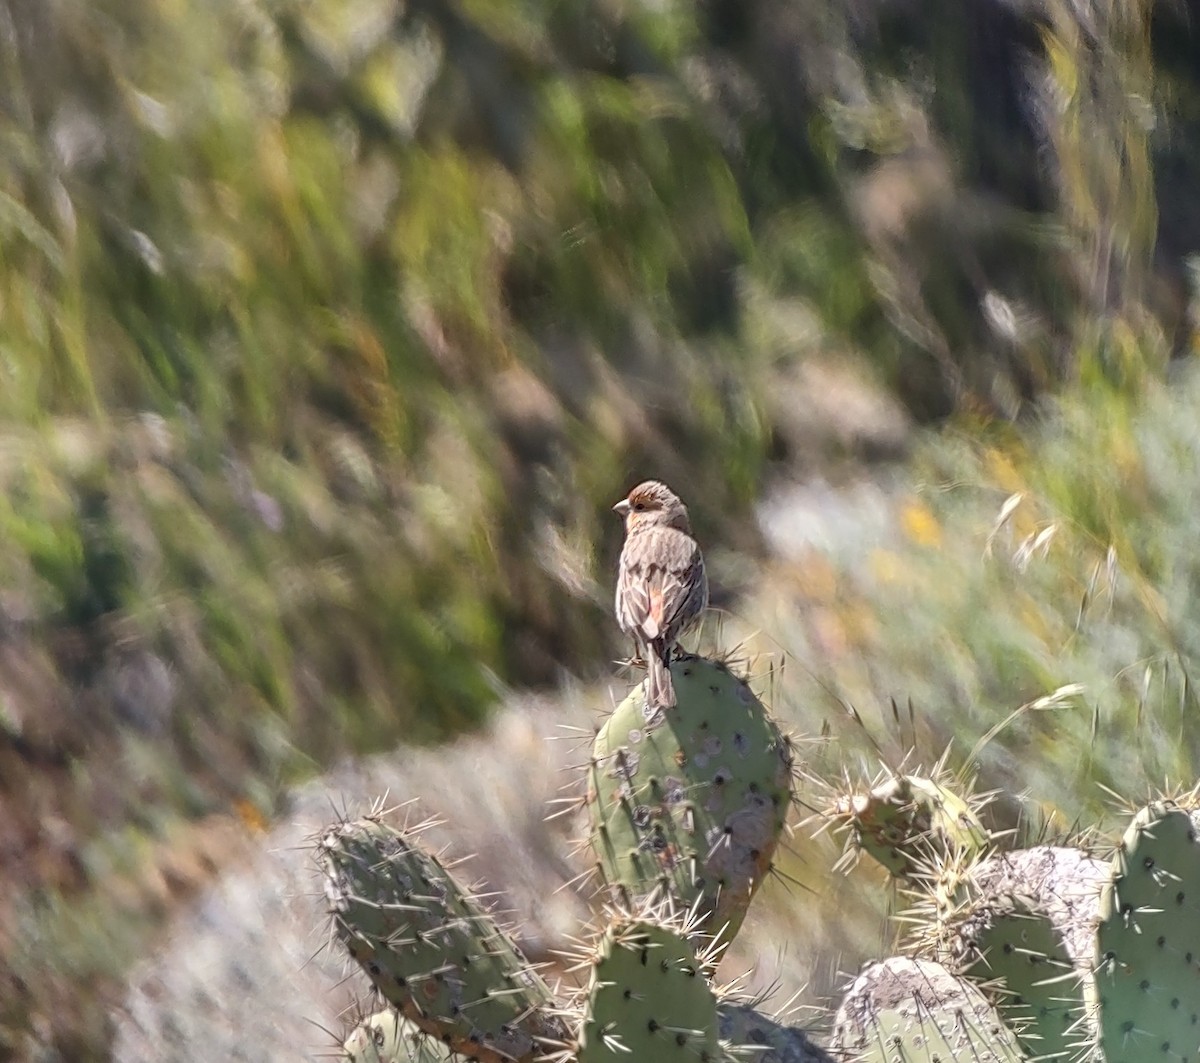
(430, 948)
(1025, 923)
(648, 999)
(387, 1037)
(915, 1011)
(1037, 986)
(689, 804)
(906, 819)
(1148, 941)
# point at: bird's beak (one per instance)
(622, 508)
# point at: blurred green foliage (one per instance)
(1058, 577)
(328, 331)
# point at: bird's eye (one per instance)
(639, 506)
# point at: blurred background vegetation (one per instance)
(330, 329)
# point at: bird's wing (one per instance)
(634, 608)
(658, 575)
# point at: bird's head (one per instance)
(653, 503)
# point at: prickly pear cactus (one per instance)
(915, 1011)
(387, 1037)
(430, 948)
(905, 820)
(648, 998)
(689, 804)
(1036, 985)
(1148, 941)
(1023, 924)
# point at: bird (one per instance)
(662, 588)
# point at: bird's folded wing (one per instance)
(661, 576)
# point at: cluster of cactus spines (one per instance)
(1015, 923)
(430, 947)
(906, 819)
(1016, 944)
(1148, 941)
(388, 1037)
(1025, 919)
(904, 1010)
(689, 805)
(648, 995)
(1085, 958)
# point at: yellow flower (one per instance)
(920, 525)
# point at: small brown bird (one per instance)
(662, 588)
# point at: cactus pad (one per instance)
(1148, 941)
(906, 819)
(648, 999)
(689, 804)
(1025, 921)
(430, 948)
(915, 1011)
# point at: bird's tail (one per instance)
(660, 691)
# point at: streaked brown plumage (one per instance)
(662, 589)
